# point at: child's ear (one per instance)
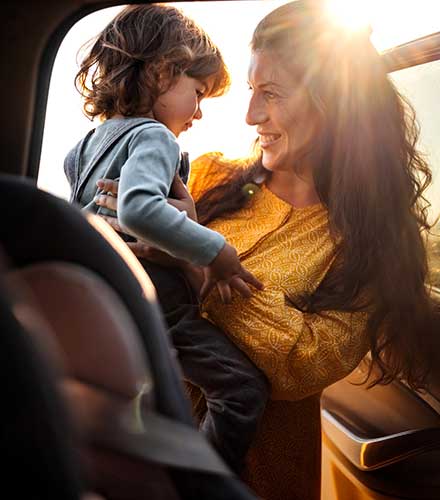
(164, 81)
(168, 78)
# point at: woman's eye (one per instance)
(200, 93)
(269, 95)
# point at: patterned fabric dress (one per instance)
(290, 250)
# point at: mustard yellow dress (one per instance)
(290, 250)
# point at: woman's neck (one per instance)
(296, 189)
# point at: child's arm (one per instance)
(181, 198)
(225, 270)
(143, 208)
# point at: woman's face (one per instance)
(280, 108)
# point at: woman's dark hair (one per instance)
(371, 178)
(138, 56)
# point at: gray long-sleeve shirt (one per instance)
(145, 159)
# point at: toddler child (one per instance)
(145, 77)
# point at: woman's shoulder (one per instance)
(210, 170)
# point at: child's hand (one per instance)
(194, 275)
(226, 272)
(181, 199)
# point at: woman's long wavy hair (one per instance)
(369, 175)
(138, 56)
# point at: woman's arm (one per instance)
(300, 353)
(329, 346)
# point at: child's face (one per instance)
(180, 105)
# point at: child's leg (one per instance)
(236, 392)
(175, 295)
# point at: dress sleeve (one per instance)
(329, 346)
(309, 352)
(208, 171)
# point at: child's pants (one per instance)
(235, 390)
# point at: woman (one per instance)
(329, 217)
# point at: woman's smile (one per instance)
(268, 140)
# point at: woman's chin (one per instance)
(269, 162)
(272, 164)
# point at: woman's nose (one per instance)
(256, 112)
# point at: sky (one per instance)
(223, 128)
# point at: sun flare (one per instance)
(392, 21)
(351, 14)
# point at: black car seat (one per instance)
(119, 379)
(38, 459)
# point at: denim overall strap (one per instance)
(72, 167)
(184, 167)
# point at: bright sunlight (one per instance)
(393, 22)
(351, 14)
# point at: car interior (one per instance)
(71, 293)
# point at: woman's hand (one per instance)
(181, 199)
(108, 199)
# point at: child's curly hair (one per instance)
(137, 57)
